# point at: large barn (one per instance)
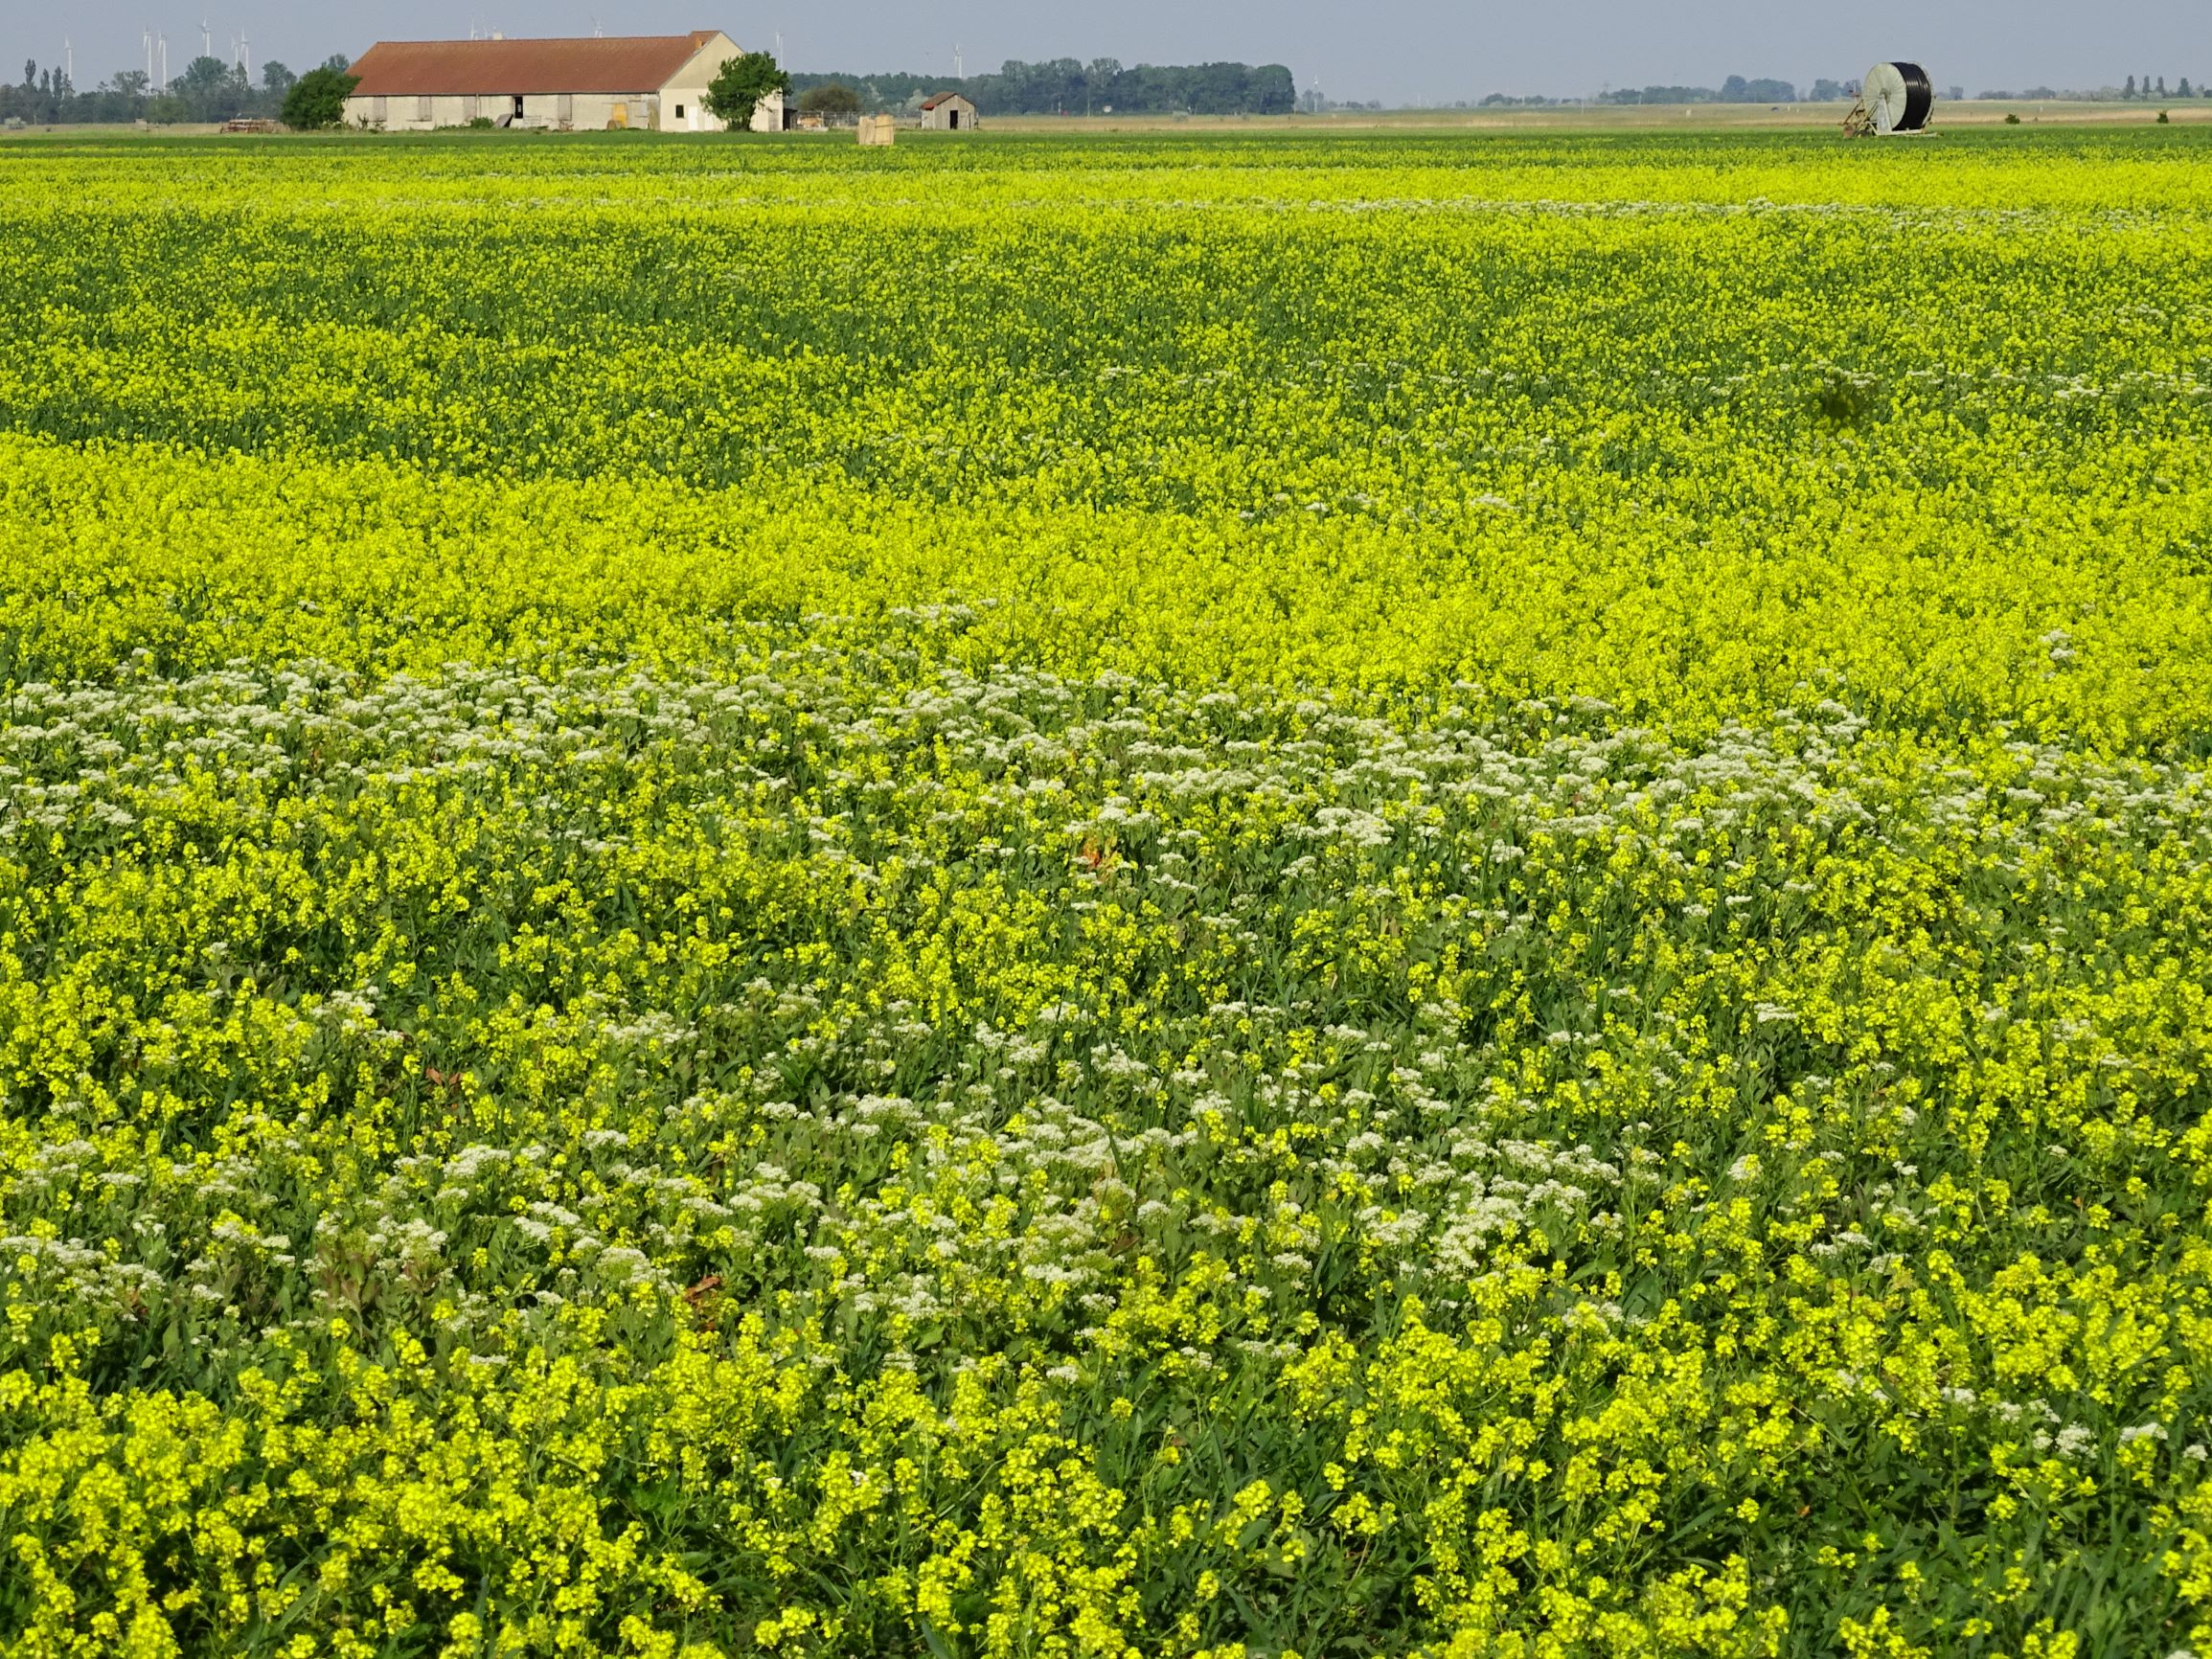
(656, 81)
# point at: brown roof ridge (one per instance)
(697, 37)
(622, 64)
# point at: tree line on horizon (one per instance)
(2134, 90)
(1068, 86)
(1736, 89)
(1739, 89)
(206, 89)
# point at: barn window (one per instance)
(680, 112)
(422, 110)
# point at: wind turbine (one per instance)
(68, 63)
(161, 51)
(206, 39)
(146, 39)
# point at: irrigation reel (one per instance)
(1895, 101)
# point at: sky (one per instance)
(1396, 50)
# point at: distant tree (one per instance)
(1738, 90)
(1826, 91)
(277, 78)
(337, 63)
(317, 101)
(1270, 90)
(31, 75)
(2129, 90)
(210, 88)
(133, 84)
(2161, 86)
(2182, 91)
(740, 84)
(833, 101)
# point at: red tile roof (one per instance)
(942, 98)
(415, 68)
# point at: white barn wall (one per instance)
(694, 117)
(587, 111)
(688, 86)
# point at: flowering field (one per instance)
(1305, 895)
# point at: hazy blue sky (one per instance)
(1394, 50)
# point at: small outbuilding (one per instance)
(655, 82)
(948, 112)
